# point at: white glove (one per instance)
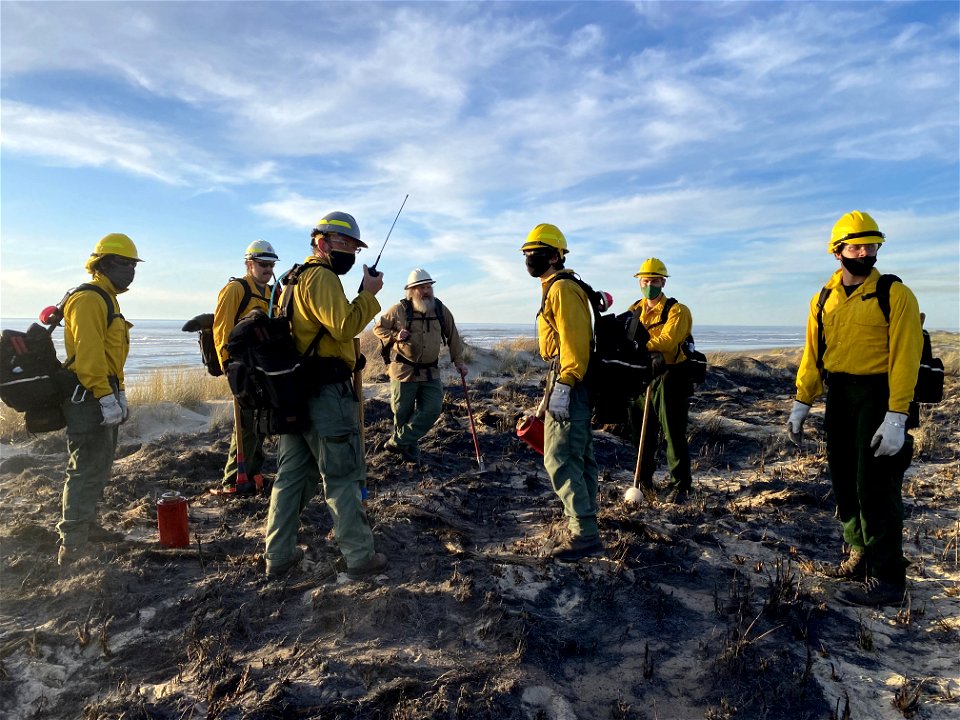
(889, 437)
(111, 410)
(559, 405)
(795, 424)
(123, 406)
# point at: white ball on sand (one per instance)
(633, 496)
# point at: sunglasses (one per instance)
(261, 263)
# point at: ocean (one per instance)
(157, 344)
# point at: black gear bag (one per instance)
(695, 365)
(267, 374)
(32, 378)
(619, 369)
(203, 325)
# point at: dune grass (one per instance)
(181, 386)
(946, 346)
(192, 386)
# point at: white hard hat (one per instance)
(260, 250)
(418, 277)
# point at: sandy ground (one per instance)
(712, 609)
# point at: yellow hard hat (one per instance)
(854, 228)
(545, 235)
(652, 267)
(112, 244)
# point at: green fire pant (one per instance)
(416, 406)
(568, 459)
(867, 488)
(669, 405)
(328, 452)
(91, 448)
(252, 449)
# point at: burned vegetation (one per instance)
(708, 609)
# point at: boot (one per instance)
(373, 566)
(873, 593)
(577, 547)
(853, 568)
(239, 490)
(68, 556)
(277, 571)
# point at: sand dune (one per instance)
(712, 609)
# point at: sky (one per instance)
(724, 138)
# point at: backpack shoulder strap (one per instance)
(290, 280)
(821, 337)
(247, 296)
(111, 315)
(407, 313)
(882, 293)
(664, 313)
(438, 308)
(592, 295)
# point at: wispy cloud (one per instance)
(724, 136)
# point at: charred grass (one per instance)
(705, 609)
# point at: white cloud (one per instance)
(721, 135)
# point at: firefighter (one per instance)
(564, 333)
(868, 364)
(669, 324)
(237, 299)
(97, 341)
(419, 326)
(325, 321)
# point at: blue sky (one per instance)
(723, 138)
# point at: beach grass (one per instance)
(190, 387)
(180, 386)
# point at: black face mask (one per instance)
(120, 275)
(861, 267)
(538, 262)
(341, 262)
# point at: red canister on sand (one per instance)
(172, 520)
(530, 430)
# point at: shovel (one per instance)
(473, 428)
(635, 495)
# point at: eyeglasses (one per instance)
(342, 244)
(261, 263)
(123, 262)
(854, 250)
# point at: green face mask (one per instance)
(651, 292)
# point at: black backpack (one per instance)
(619, 369)
(203, 325)
(408, 313)
(929, 387)
(265, 371)
(695, 366)
(32, 379)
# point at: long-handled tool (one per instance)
(635, 494)
(473, 428)
(358, 391)
(242, 477)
